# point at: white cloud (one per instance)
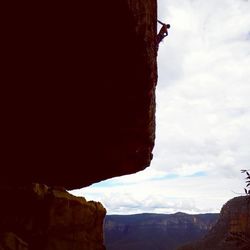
(203, 113)
(186, 194)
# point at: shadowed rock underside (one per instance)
(77, 107)
(79, 99)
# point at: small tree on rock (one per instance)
(247, 188)
(242, 239)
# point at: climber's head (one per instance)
(168, 26)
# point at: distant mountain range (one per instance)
(155, 231)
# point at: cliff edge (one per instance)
(79, 94)
(231, 232)
(77, 107)
(38, 218)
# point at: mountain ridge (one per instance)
(151, 231)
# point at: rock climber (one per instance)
(163, 31)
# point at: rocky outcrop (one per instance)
(231, 232)
(43, 218)
(10, 241)
(78, 107)
(79, 98)
(155, 231)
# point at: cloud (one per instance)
(194, 194)
(203, 114)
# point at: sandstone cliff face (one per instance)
(79, 99)
(232, 231)
(43, 218)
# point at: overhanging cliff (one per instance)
(79, 102)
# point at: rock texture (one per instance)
(43, 218)
(79, 97)
(155, 231)
(77, 107)
(231, 232)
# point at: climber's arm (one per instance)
(160, 22)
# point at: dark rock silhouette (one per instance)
(77, 107)
(79, 98)
(10, 241)
(155, 231)
(231, 232)
(39, 217)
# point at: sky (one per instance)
(202, 117)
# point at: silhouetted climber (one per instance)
(163, 31)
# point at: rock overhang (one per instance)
(81, 107)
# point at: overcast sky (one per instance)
(203, 114)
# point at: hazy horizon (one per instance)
(162, 214)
